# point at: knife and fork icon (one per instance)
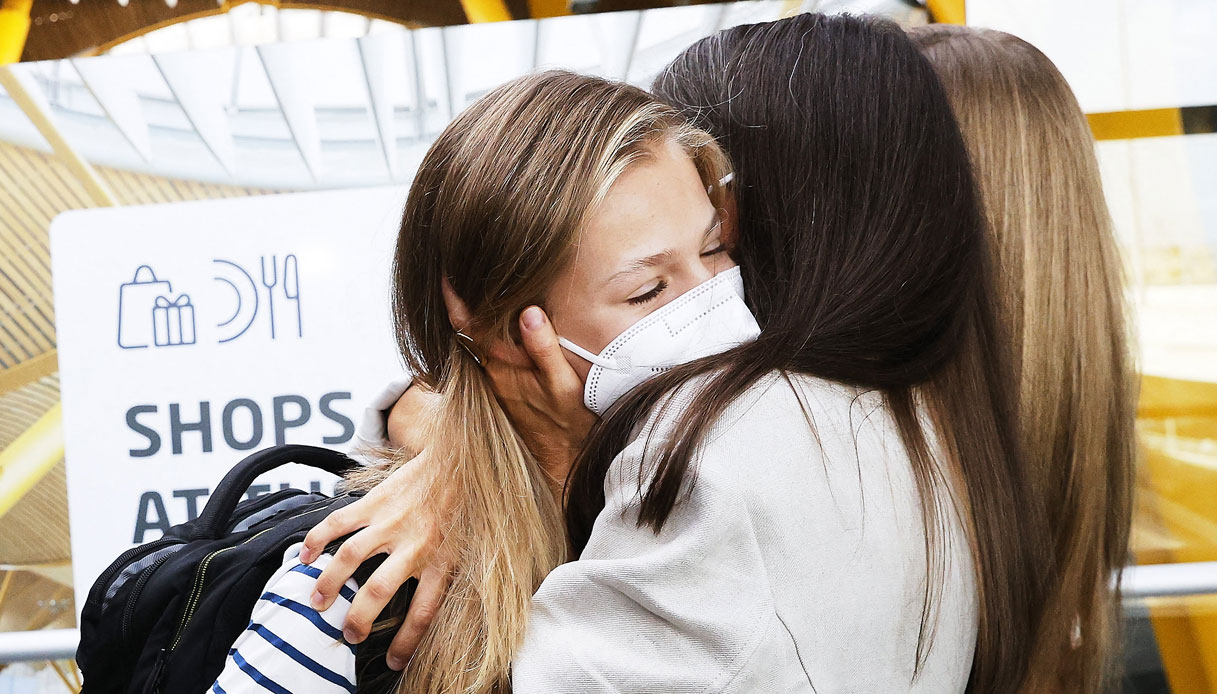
(290, 284)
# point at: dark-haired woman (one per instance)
(840, 505)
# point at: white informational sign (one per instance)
(193, 334)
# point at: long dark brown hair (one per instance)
(1063, 299)
(864, 256)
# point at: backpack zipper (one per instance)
(116, 567)
(133, 596)
(158, 668)
(200, 577)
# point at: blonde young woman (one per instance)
(1063, 303)
(553, 189)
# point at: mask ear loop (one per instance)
(467, 343)
(591, 357)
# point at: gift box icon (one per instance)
(173, 321)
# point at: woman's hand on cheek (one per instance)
(542, 394)
(402, 516)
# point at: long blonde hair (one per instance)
(496, 208)
(1061, 296)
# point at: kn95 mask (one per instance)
(710, 318)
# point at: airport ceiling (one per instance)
(302, 98)
(73, 28)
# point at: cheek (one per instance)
(592, 327)
(577, 363)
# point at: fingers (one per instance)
(541, 343)
(432, 585)
(345, 520)
(346, 560)
(375, 593)
(507, 353)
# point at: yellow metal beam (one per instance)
(947, 11)
(29, 458)
(14, 29)
(30, 99)
(539, 9)
(1127, 125)
(29, 371)
(486, 11)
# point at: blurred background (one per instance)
(132, 102)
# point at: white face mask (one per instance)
(710, 318)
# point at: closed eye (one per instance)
(644, 298)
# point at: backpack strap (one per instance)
(235, 484)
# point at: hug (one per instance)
(805, 371)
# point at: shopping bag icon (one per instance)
(136, 300)
(173, 321)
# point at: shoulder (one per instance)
(289, 643)
(779, 417)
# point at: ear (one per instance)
(458, 312)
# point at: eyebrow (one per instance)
(661, 257)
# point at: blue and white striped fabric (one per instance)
(288, 646)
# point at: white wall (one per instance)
(1119, 54)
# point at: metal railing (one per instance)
(1155, 580)
(1164, 580)
(44, 644)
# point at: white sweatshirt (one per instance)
(791, 563)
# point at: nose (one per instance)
(702, 271)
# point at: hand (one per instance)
(542, 395)
(402, 516)
(407, 418)
(536, 386)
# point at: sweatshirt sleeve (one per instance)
(373, 425)
(288, 646)
(683, 610)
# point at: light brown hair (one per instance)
(1061, 296)
(496, 209)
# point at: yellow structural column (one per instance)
(14, 28)
(37, 450)
(30, 99)
(486, 11)
(30, 457)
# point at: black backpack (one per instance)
(162, 617)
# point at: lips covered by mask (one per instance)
(710, 318)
